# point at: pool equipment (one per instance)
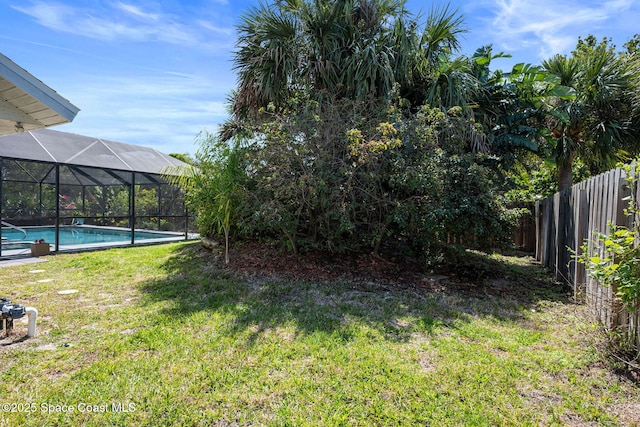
(10, 311)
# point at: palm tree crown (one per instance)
(594, 124)
(353, 49)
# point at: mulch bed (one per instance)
(251, 259)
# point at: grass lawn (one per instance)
(160, 336)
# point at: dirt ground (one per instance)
(475, 274)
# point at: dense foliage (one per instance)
(360, 128)
(354, 126)
(385, 175)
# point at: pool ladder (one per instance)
(22, 230)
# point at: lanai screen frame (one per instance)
(86, 177)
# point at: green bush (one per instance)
(619, 266)
(366, 174)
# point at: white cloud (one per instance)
(550, 26)
(208, 25)
(48, 14)
(166, 111)
(120, 21)
(137, 12)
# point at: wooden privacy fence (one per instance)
(565, 220)
(524, 234)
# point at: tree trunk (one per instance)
(565, 175)
(292, 240)
(226, 245)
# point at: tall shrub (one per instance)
(370, 174)
(214, 186)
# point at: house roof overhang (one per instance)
(26, 103)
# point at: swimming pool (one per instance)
(82, 235)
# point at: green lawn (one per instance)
(164, 334)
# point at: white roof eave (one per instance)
(33, 93)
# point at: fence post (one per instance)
(538, 212)
(580, 228)
(620, 316)
(554, 237)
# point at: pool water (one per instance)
(80, 235)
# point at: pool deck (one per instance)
(20, 261)
(163, 237)
(14, 257)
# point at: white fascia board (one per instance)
(36, 88)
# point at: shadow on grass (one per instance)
(485, 287)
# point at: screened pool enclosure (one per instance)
(75, 192)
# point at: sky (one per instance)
(158, 72)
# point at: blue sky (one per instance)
(157, 72)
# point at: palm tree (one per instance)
(296, 47)
(344, 49)
(426, 69)
(595, 123)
